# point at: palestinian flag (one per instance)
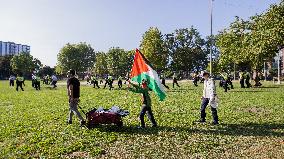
(141, 70)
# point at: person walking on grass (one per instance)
(164, 82)
(54, 81)
(20, 82)
(247, 79)
(94, 81)
(119, 83)
(209, 97)
(175, 80)
(11, 80)
(73, 90)
(146, 102)
(37, 82)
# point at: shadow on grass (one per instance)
(245, 129)
(248, 91)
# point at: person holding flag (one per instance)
(143, 73)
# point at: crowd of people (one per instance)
(36, 80)
(209, 96)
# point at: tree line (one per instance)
(244, 45)
(184, 51)
(249, 44)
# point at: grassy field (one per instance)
(33, 125)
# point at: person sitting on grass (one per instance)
(146, 102)
(209, 97)
(73, 90)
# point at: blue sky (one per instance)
(46, 25)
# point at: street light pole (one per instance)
(211, 34)
(279, 81)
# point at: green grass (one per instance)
(33, 125)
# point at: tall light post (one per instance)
(278, 63)
(211, 34)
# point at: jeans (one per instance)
(204, 103)
(148, 110)
(73, 109)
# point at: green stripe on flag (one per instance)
(153, 85)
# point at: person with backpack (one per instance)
(73, 90)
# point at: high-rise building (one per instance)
(11, 48)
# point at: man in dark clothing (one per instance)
(195, 79)
(247, 79)
(146, 102)
(164, 82)
(175, 80)
(73, 89)
(119, 83)
(242, 79)
(20, 81)
(37, 82)
(106, 82)
(94, 81)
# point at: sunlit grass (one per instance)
(33, 124)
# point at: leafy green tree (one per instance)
(23, 63)
(152, 46)
(187, 50)
(46, 70)
(250, 43)
(5, 66)
(119, 61)
(101, 65)
(79, 57)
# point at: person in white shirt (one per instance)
(12, 79)
(54, 81)
(209, 97)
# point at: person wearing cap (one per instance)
(146, 102)
(73, 90)
(19, 81)
(209, 97)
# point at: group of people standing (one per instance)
(20, 81)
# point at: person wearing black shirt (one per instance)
(73, 89)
